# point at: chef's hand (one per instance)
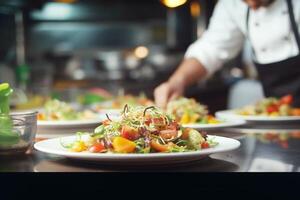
(189, 71)
(168, 91)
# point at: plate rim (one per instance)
(228, 123)
(68, 123)
(112, 156)
(229, 114)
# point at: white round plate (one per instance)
(106, 107)
(230, 114)
(53, 146)
(70, 123)
(110, 112)
(224, 124)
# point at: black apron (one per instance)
(283, 77)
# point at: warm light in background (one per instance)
(141, 52)
(65, 1)
(173, 3)
(195, 9)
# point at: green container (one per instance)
(7, 135)
(23, 73)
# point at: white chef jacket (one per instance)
(270, 34)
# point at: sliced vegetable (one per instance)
(97, 148)
(296, 112)
(168, 134)
(185, 133)
(123, 145)
(195, 139)
(288, 99)
(204, 145)
(159, 147)
(129, 133)
(272, 108)
(79, 146)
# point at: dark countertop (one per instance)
(262, 149)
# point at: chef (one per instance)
(271, 26)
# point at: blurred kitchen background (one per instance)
(55, 47)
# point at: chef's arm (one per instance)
(189, 71)
(220, 42)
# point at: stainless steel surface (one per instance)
(261, 150)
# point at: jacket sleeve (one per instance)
(221, 41)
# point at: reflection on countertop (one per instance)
(261, 150)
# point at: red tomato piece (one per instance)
(158, 121)
(97, 148)
(168, 134)
(272, 108)
(205, 145)
(288, 99)
(185, 133)
(158, 147)
(129, 133)
(173, 126)
(148, 122)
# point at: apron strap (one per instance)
(293, 23)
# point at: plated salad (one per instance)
(189, 111)
(131, 100)
(140, 130)
(120, 101)
(55, 110)
(271, 106)
(94, 95)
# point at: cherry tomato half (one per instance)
(97, 148)
(168, 134)
(288, 99)
(129, 133)
(205, 145)
(272, 108)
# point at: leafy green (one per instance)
(176, 148)
(8, 136)
(194, 140)
(212, 142)
(141, 146)
(67, 146)
(5, 92)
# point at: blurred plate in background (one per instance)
(231, 115)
